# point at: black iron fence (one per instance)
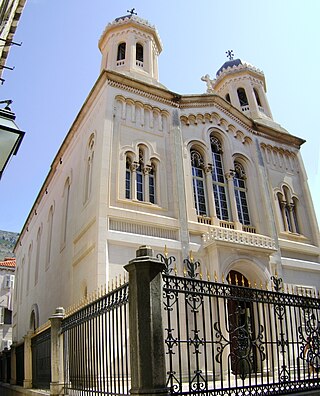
(5, 366)
(224, 339)
(96, 346)
(41, 360)
(220, 338)
(19, 354)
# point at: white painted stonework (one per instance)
(123, 178)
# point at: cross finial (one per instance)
(132, 11)
(230, 54)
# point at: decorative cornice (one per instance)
(143, 93)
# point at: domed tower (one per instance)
(130, 45)
(244, 86)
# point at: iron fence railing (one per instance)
(19, 351)
(224, 339)
(96, 346)
(5, 366)
(41, 360)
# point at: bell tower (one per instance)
(130, 45)
(244, 86)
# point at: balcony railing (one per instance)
(248, 238)
(139, 63)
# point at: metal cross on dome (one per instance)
(132, 11)
(230, 54)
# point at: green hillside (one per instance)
(7, 243)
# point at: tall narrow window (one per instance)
(295, 216)
(219, 181)
(288, 209)
(88, 171)
(128, 177)
(198, 183)
(242, 97)
(121, 54)
(49, 236)
(228, 98)
(36, 271)
(140, 176)
(240, 191)
(29, 267)
(152, 184)
(139, 54)
(66, 198)
(257, 97)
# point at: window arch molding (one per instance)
(121, 51)
(34, 317)
(221, 164)
(224, 139)
(142, 173)
(199, 184)
(88, 167)
(139, 53)
(200, 146)
(251, 174)
(242, 97)
(288, 203)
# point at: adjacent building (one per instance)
(210, 173)
(7, 271)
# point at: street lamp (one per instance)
(10, 135)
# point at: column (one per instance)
(57, 374)
(133, 168)
(13, 379)
(211, 203)
(229, 176)
(283, 205)
(147, 356)
(27, 382)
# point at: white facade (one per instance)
(144, 165)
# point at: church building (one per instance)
(212, 174)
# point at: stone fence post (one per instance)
(27, 382)
(147, 355)
(57, 374)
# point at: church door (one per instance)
(241, 330)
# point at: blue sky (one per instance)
(59, 61)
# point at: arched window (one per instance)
(288, 209)
(242, 97)
(140, 176)
(139, 54)
(198, 182)
(29, 266)
(49, 236)
(257, 97)
(240, 190)
(88, 170)
(228, 98)
(219, 181)
(65, 213)
(295, 215)
(121, 54)
(128, 177)
(36, 272)
(152, 183)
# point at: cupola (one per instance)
(244, 86)
(130, 45)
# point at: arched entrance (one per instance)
(241, 328)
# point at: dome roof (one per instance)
(229, 63)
